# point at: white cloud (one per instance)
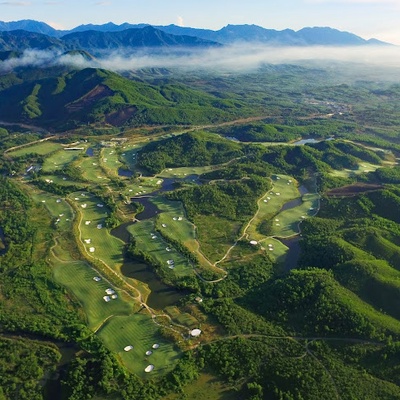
(234, 59)
(179, 21)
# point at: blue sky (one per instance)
(366, 18)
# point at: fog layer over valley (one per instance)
(239, 58)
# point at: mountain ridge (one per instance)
(226, 35)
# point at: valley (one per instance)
(202, 234)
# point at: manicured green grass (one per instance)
(42, 148)
(108, 248)
(277, 251)
(78, 277)
(141, 332)
(182, 230)
(185, 171)
(129, 153)
(284, 189)
(60, 159)
(173, 216)
(286, 223)
(57, 207)
(143, 232)
(59, 180)
(363, 167)
(91, 170)
(110, 161)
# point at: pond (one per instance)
(125, 172)
(293, 254)
(150, 209)
(161, 295)
(90, 152)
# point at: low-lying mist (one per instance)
(237, 58)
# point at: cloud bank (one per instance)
(234, 58)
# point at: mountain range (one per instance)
(110, 36)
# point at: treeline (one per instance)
(56, 188)
(231, 200)
(194, 149)
(23, 363)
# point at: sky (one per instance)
(366, 18)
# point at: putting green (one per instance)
(129, 154)
(139, 331)
(62, 180)
(275, 249)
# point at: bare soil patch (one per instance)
(353, 190)
(118, 118)
(98, 93)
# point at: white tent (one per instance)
(195, 332)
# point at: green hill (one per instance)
(194, 149)
(313, 302)
(99, 96)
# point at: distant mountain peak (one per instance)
(324, 36)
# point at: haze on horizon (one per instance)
(372, 62)
(366, 18)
